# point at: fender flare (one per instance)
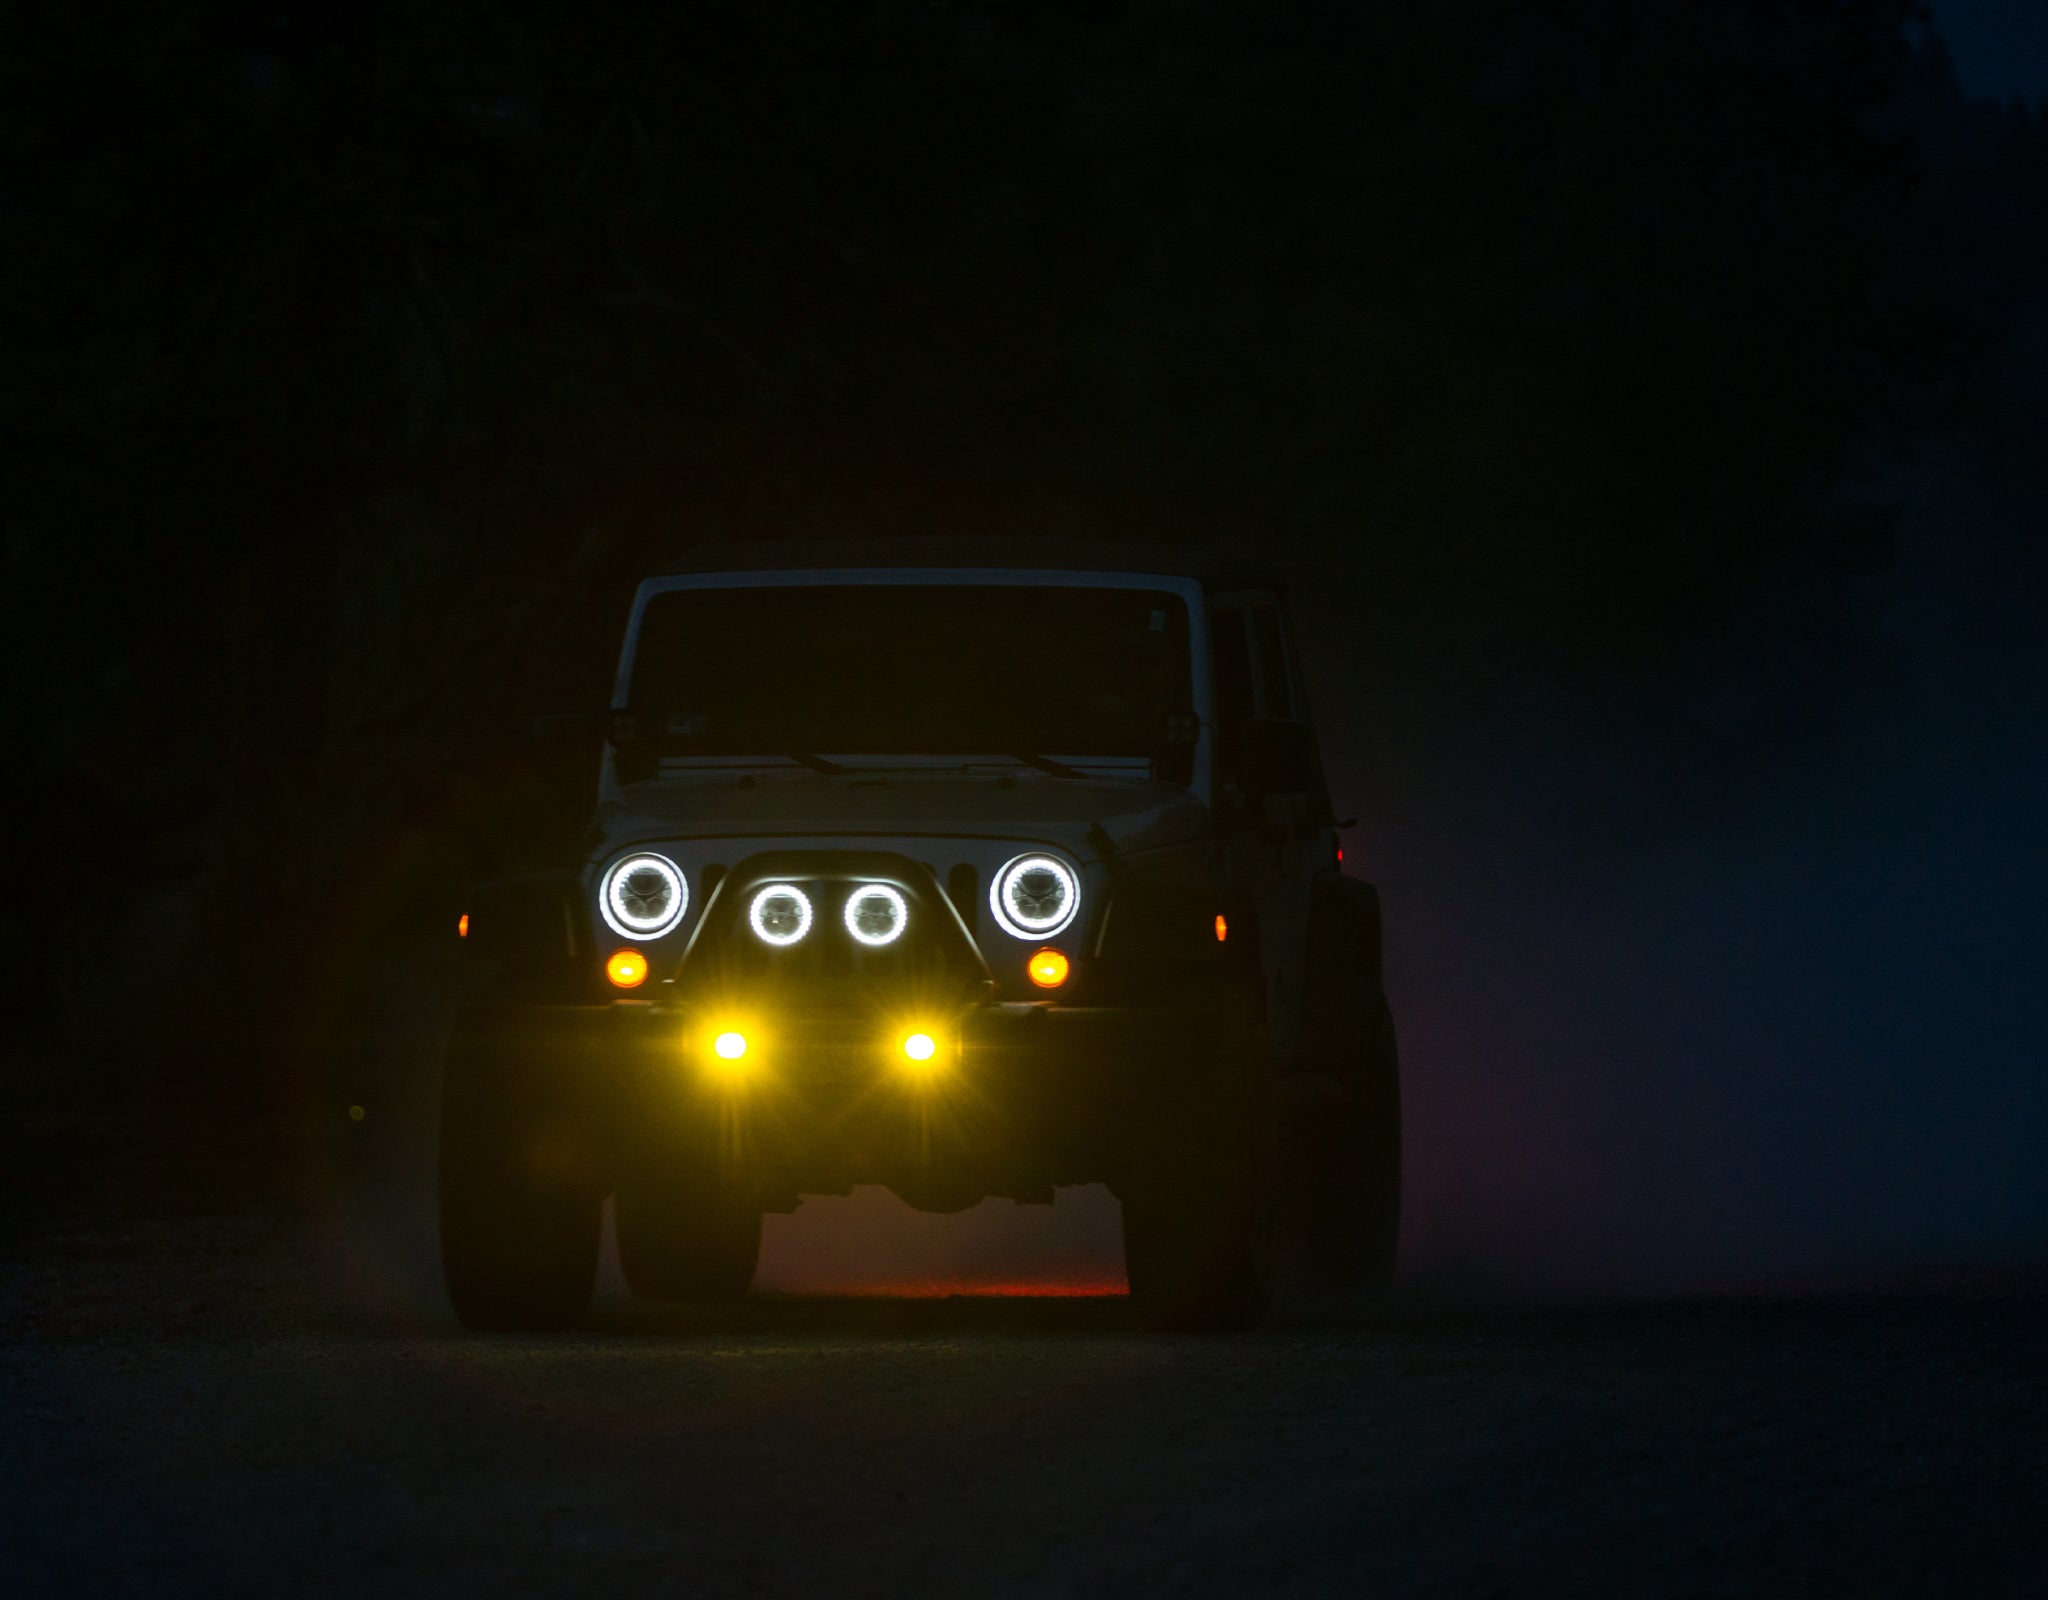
(1340, 905)
(532, 925)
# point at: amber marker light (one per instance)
(462, 926)
(1048, 968)
(1222, 927)
(626, 968)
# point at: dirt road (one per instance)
(223, 1407)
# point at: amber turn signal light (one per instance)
(462, 926)
(626, 968)
(1048, 968)
(1222, 927)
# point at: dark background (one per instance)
(1648, 397)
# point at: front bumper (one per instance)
(1050, 1042)
(1016, 1099)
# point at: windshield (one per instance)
(915, 669)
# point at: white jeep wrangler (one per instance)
(965, 871)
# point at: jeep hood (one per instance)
(1089, 818)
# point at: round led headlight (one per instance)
(1035, 897)
(643, 896)
(876, 914)
(781, 913)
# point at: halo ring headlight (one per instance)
(780, 914)
(876, 914)
(1035, 897)
(643, 896)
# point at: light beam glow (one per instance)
(1049, 968)
(1035, 897)
(643, 896)
(780, 914)
(875, 914)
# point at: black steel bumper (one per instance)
(1014, 1099)
(1051, 1041)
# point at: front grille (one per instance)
(930, 959)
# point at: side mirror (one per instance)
(1276, 758)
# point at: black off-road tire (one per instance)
(1198, 1236)
(687, 1233)
(520, 1202)
(1342, 1145)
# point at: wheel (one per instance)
(688, 1233)
(520, 1204)
(1197, 1213)
(1343, 1147)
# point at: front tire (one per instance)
(1198, 1236)
(1343, 1146)
(520, 1205)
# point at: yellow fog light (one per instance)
(626, 968)
(920, 1047)
(1048, 968)
(729, 1046)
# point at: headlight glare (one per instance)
(643, 896)
(780, 914)
(875, 914)
(1035, 897)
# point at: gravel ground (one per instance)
(245, 1405)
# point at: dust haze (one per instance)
(1797, 1038)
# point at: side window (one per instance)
(1231, 665)
(1276, 683)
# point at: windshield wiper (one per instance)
(1058, 769)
